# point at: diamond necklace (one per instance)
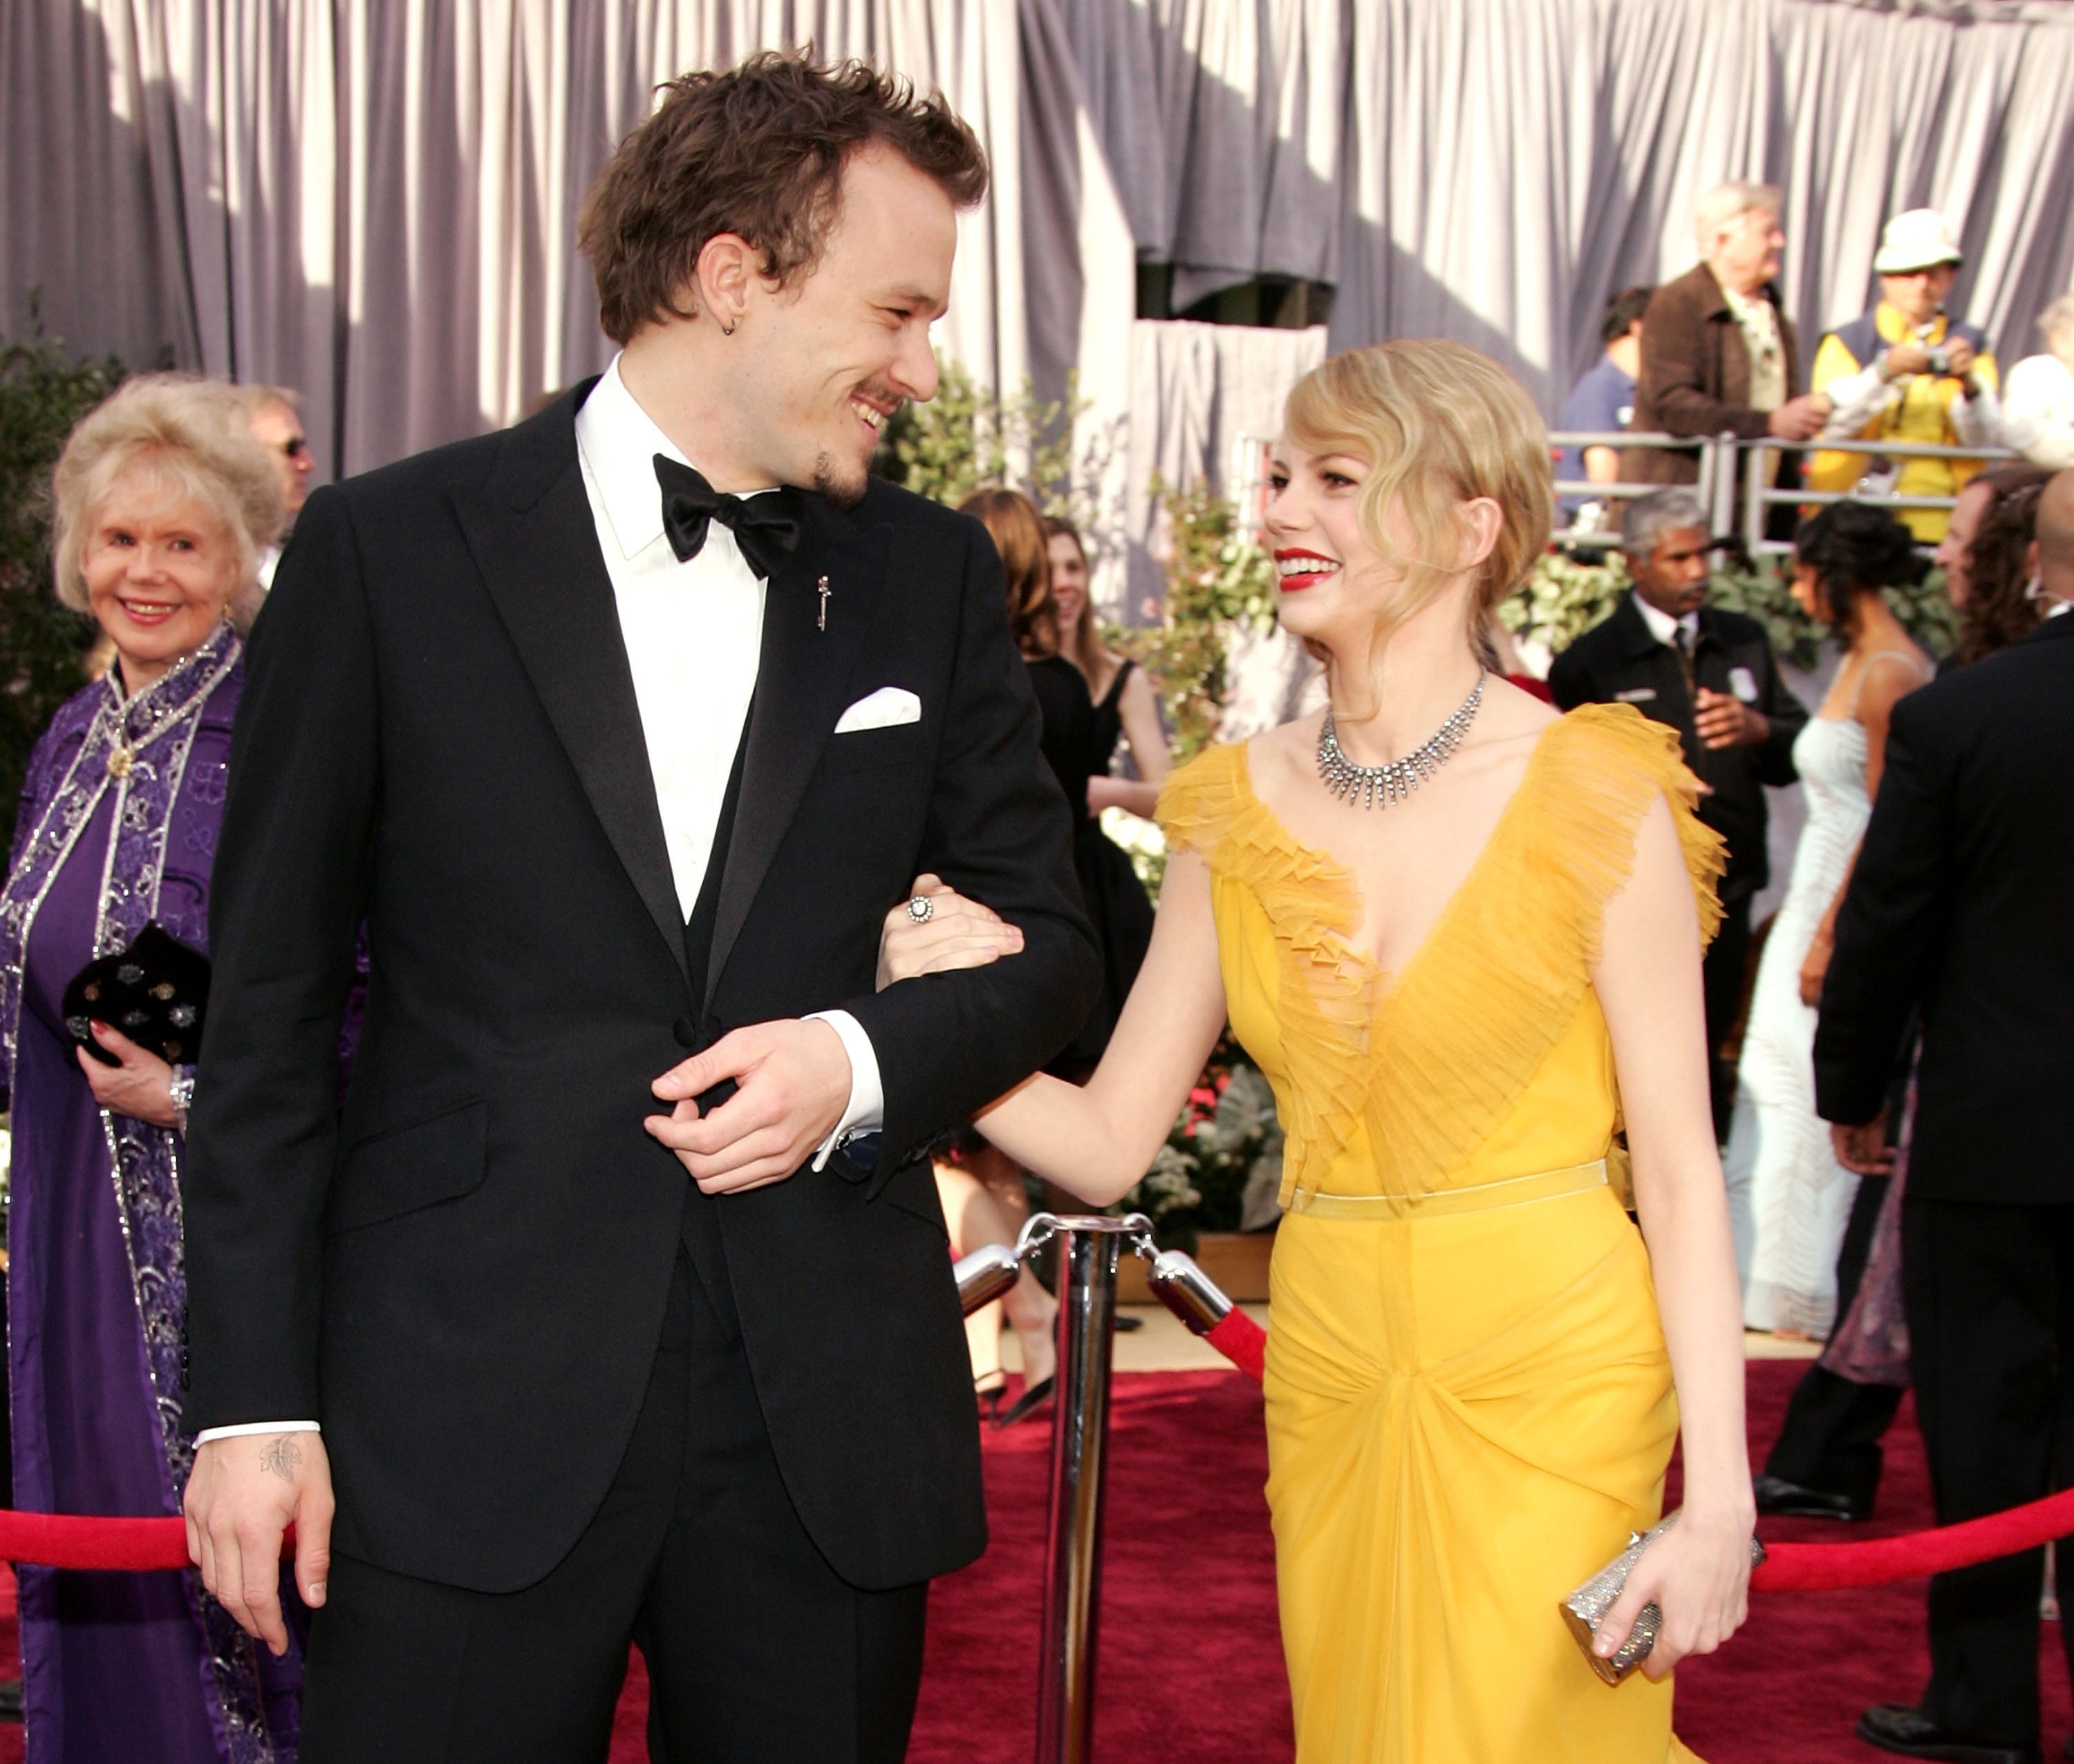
(1378, 787)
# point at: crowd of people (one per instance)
(558, 1245)
(1713, 352)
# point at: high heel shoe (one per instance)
(988, 1388)
(1034, 1397)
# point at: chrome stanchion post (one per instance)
(1089, 1248)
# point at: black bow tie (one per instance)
(767, 527)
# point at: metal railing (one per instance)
(1734, 482)
(1715, 488)
(1759, 496)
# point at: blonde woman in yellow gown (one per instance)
(1476, 1364)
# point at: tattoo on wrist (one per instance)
(283, 1457)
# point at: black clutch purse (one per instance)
(155, 992)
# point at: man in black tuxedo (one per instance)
(1711, 675)
(1957, 907)
(621, 732)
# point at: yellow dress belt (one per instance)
(1512, 1191)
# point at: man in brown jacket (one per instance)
(1718, 356)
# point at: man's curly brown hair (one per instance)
(756, 150)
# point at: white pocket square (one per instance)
(886, 708)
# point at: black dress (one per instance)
(1079, 737)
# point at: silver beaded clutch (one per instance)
(1586, 1607)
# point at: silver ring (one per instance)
(921, 909)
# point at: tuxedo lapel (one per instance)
(535, 538)
(802, 678)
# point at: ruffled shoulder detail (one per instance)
(1477, 1011)
(1612, 763)
(1326, 1001)
(1199, 802)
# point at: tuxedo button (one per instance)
(686, 1031)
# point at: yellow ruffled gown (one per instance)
(1470, 1404)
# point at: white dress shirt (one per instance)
(1665, 629)
(694, 637)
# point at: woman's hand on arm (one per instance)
(1648, 983)
(1098, 1141)
(958, 933)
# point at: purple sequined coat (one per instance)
(117, 828)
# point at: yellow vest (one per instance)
(1921, 413)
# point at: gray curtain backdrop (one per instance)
(1490, 170)
(1196, 391)
(374, 200)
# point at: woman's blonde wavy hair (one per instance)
(1439, 424)
(193, 437)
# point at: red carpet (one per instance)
(1191, 1667)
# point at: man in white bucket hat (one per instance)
(1907, 372)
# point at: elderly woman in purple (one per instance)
(164, 501)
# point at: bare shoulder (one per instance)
(1286, 755)
(1507, 711)
(1508, 726)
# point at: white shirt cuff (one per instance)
(866, 1113)
(245, 1427)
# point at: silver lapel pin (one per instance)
(821, 618)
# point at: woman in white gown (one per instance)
(1798, 1195)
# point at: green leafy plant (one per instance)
(1215, 581)
(967, 438)
(1562, 599)
(44, 392)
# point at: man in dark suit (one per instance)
(1958, 909)
(621, 732)
(1710, 675)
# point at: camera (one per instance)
(1940, 360)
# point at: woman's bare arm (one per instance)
(1647, 980)
(1139, 710)
(1884, 688)
(1099, 1141)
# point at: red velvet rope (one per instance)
(1811, 1567)
(68, 1541)
(64, 1540)
(71, 1540)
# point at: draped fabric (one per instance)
(1469, 1405)
(1197, 392)
(1491, 171)
(377, 204)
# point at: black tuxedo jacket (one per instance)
(463, 1279)
(1959, 902)
(1619, 661)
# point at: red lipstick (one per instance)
(1299, 567)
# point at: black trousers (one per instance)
(756, 1652)
(1721, 978)
(1830, 1439)
(1990, 1300)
